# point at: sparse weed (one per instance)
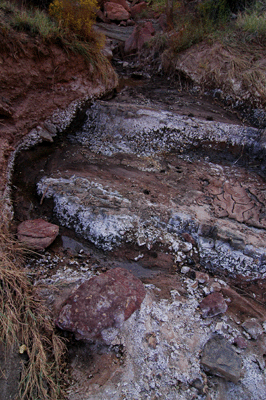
(36, 22)
(253, 21)
(26, 327)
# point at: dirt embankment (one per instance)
(37, 80)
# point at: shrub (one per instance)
(78, 16)
(35, 22)
(213, 11)
(253, 21)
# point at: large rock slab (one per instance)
(219, 357)
(253, 328)
(98, 308)
(137, 8)
(37, 234)
(212, 305)
(116, 12)
(141, 34)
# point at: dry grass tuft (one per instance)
(27, 327)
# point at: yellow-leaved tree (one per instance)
(76, 15)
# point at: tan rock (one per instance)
(116, 12)
(37, 234)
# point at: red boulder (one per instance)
(138, 8)
(101, 305)
(37, 234)
(116, 12)
(142, 33)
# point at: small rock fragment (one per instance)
(215, 287)
(219, 326)
(50, 128)
(253, 328)
(98, 308)
(213, 304)
(202, 277)
(185, 270)
(220, 358)
(37, 234)
(44, 135)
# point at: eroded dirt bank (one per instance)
(170, 187)
(42, 86)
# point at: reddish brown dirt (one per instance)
(36, 80)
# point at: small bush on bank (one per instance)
(253, 21)
(77, 16)
(36, 22)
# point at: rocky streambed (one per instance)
(171, 187)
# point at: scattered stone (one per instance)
(253, 328)
(151, 340)
(188, 238)
(220, 358)
(240, 342)
(44, 134)
(122, 3)
(50, 128)
(185, 270)
(213, 304)
(37, 234)
(116, 12)
(186, 247)
(215, 287)
(198, 384)
(98, 308)
(202, 277)
(130, 22)
(219, 326)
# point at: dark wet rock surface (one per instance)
(171, 188)
(219, 357)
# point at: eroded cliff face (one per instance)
(42, 87)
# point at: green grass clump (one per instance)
(195, 23)
(253, 21)
(36, 22)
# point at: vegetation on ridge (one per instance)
(73, 37)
